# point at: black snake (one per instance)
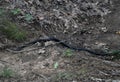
(65, 45)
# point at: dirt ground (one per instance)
(36, 63)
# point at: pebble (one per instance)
(49, 43)
(41, 51)
(104, 29)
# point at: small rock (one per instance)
(74, 81)
(100, 44)
(49, 43)
(104, 29)
(38, 44)
(41, 51)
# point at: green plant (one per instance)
(6, 72)
(68, 53)
(1, 11)
(56, 65)
(28, 17)
(115, 54)
(12, 31)
(16, 11)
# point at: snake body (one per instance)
(63, 44)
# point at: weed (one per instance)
(6, 73)
(115, 54)
(16, 11)
(1, 11)
(68, 53)
(12, 31)
(28, 17)
(56, 65)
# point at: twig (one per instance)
(5, 62)
(12, 51)
(111, 63)
(46, 80)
